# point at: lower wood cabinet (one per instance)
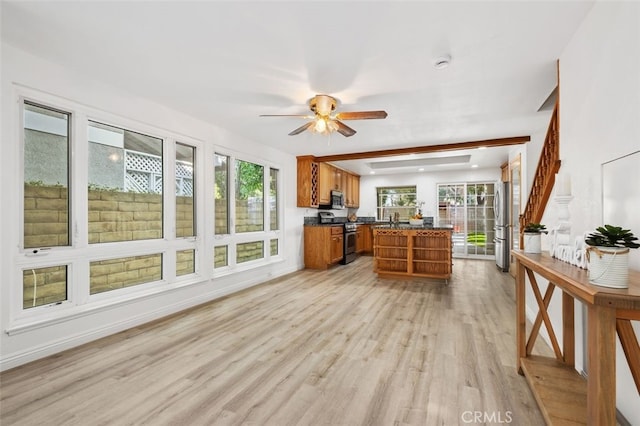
(323, 246)
(337, 245)
(413, 252)
(364, 239)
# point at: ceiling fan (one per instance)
(324, 121)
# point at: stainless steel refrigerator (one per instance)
(501, 211)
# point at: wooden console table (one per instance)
(563, 395)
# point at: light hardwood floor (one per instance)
(336, 347)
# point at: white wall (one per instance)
(426, 186)
(20, 69)
(599, 122)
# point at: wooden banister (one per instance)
(544, 179)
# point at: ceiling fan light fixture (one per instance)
(324, 122)
(321, 125)
(323, 104)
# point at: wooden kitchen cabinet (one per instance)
(337, 245)
(413, 252)
(366, 239)
(352, 198)
(316, 180)
(327, 182)
(360, 231)
(338, 179)
(323, 246)
(308, 175)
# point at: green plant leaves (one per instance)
(612, 236)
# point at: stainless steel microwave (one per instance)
(337, 200)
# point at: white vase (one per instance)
(608, 266)
(532, 242)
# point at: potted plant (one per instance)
(608, 255)
(532, 232)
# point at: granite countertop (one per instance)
(407, 226)
(342, 223)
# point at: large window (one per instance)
(46, 200)
(185, 191)
(273, 200)
(185, 262)
(43, 286)
(396, 199)
(94, 219)
(221, 194)
(125, 185)
(112, 274)
(249, 193)
(247, 212)
(46, 176)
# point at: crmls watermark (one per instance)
(487, 417)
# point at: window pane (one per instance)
(469, 209)
(273, 199)
(125, 185)
(274, 247)
(107, 275)
(221, 194)
(185, 212)
(249, 251)
(43, 286)
(392, 200)
(46, 177)
(185, 262)
(249, 197)
(221, 257)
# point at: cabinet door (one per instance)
(360, 238)
(307, 185)
(337, 248)
(367, 238)
(326, 179)
(347, 179)
(337, 179)
(355, 191)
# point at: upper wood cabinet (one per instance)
(327, 182)
(308, 191)
(317, 180)
(352, 190)
(356, 190)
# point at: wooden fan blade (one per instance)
(344, 130)
(284, 115)
(301, 128)
(361, 115)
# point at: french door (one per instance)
(469, 208)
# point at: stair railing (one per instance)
(545, 176)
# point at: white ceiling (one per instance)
(228, 62)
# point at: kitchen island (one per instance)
(413, 251)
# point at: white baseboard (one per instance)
(50, 348)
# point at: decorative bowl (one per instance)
(416, 222)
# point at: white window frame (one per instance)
(232, 239)
(78, 255)
(378, 207)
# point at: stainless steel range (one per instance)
(349, 242)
